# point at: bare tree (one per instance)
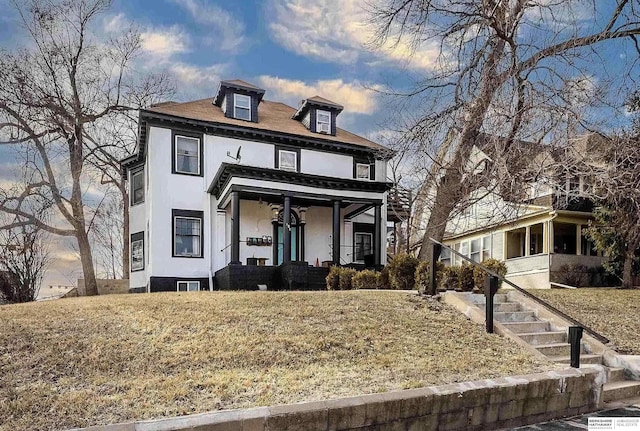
(509, 70)
(24, 258)
(56, 97)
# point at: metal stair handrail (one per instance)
(540, 301)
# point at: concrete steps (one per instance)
(554, 345)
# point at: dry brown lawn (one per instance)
(612, 312)
(85, 361)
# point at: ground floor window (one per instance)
(516, 243)
(478, 250)
(536, 239)
(137, 251)
(587, 247)
(187, 233)
(564, 238)
(363, 245)
(188, 286)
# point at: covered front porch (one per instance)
(299, 224)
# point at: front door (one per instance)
(293, 225)
(294, 243)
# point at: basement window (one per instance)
(188, 286)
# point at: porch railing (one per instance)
(435, 254)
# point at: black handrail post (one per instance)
(435, 255)
(575, 335)
(490, 289)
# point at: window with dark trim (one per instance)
(187, 233)
(137, 187)
(364, 169)
(186, 153)
(287, 159)
(187, 286)
(137, 251)
(242, 107)
(323, 121)
(363, 245)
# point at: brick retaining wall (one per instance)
(480, 405)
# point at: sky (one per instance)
(294, 49)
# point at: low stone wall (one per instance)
(105, 286)
(480, 405)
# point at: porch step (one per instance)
(510, 307)
(557, 349)
(541, 338)
(614, 391)
(515, 316)
(480, 299)
(527, 327)
(584, 359)
(615, 374)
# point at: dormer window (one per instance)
(242, 107)
(323, 121)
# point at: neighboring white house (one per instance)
(541, 233)
(239, 182)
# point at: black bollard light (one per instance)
(490, 289)
(575, 335)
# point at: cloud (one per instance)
(115, 23)
(228, 30)
(337, 31)
(197, 82)
(352, 95)
(164, 43)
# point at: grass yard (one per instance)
(86, 361)
(612, 312)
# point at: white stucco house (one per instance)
(234, 191)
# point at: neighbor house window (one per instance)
(288, 160)
(188, 286)
(137, 187)
(323, 122)
(363, 245)
(476, 249)
(242, 107)
(445, 257)
(187, 240)
(187, 155)
(137, 251)
(486, 248)
(363, 171)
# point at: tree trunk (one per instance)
(627, 269)
(447, 196)
(86, 258)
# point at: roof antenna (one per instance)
(238, 157)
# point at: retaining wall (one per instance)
(106, 286)
(480, 405)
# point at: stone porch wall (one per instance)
(105, 286)
(480, 405)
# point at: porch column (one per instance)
(377, 234)
(286, 230)
(336, 232)
(235, 228)
(527, 241)
(578, 239)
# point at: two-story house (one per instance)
(236, 192)
(542, 230)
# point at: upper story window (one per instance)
(288, 160)
(137, 187)
(323, 121)
(363, 171)
(187, 155)
(242, 107)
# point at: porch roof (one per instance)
(227, 171)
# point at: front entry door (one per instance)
(294, 243)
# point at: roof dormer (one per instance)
(239, 99)
(318, 115)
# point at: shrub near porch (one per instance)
(99, 360)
